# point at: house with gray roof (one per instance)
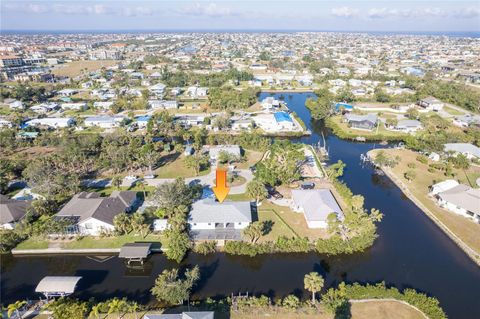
(362, 122)
(462, 200)
(12, 211)
(469, 150)
(316, 205)
(216, 150)
(91, 214)
(408, 126)
(209, 219)
(431, 104)
(183, 315)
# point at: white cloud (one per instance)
(344, 12)
(467, 13)
(136, 11)
(381, 13)
(28, 7)
(209, 10)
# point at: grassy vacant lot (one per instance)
(173, 166)
(464, 228)
(452, 111)
(295, 221)
(75, 68)
(279, 227)
(251, 158)
(109, 242)
(378, 309)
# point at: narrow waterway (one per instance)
(410, 252)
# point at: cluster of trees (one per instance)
(25, 93)
(212, 80)
(171, 289)
(321, 107)
(227, 98)
(282, 163)
(125, 223)
(173, 201)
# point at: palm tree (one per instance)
(134, 307)
(116, 306)
(95, 312)
(142, 184)
(15, 307)
(313, 282)
(116, 181)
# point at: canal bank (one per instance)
(411, 251)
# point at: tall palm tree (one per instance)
(134, 307)
(313, 282)
(116, 306)
(15, 307)
(95, 312)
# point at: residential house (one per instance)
(363, 122)
(5, 123)
(104, 121)
(44, 108)
(462, 200)
(270, 103)
(467, 120)
(52, 122)
(316, 205)
(157, 89)
(67, 92)
(163, 104)
(211, 219)
(408, 126)
(195, 91)
(12, 211)
(105, 105)
(214, 151)
(142, 121)
(183, 315)
(443, 186)
(16, 105)
(242, 124)
(79, 106)
(91, 214)
(469, 150)
(431, 104)
(190, 120)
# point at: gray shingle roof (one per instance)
(317, 204)
(12, 210)
(90, 205)
(209, 211)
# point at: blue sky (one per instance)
(229, 15)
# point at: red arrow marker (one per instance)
(221, 190)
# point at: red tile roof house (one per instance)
(92, 214)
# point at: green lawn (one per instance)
(279, 227)
(452, 111)
(110, 242)
(174, 166)
(342, 130)
(33, 243)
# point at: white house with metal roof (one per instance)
(467, 149)
(316, 205)
(209, 214)
(462, 200)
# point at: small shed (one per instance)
(57, 286)
(135, 252)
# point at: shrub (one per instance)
(422, 159)
(411, 165)
(291, 302)
(206, 247)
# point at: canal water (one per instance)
(411, 251)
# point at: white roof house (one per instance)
(54, 122)
(208, 214)
(408, 126)
(104, 121)
(214, 151)
(443, 186)
(316, 205)
(462, 200)
(79, 106)
(16, 105)
(5, 123)
(467, 149)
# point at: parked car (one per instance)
(131, 177)
(274, 193)
(150, 176)
(307, 185)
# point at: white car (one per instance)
(131, 177)
(149, 176)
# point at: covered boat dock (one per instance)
(57, 286)
(135, 252)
